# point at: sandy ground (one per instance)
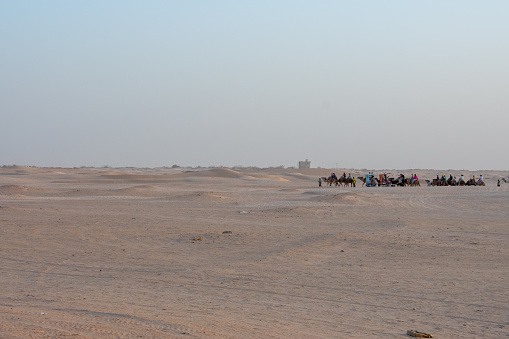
(170, 253)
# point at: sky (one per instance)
(350, 84)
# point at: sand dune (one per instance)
(344, 197)
(17, 189)
(139, 189)
(197, 196)
(213, 173)
(117, 173)
(13, 188)
(266, 177)
(131, 177)
(168, 253)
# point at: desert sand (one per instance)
(249, 253)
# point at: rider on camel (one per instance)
(414, 178)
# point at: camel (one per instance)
(347, 181)
(471, 182)
(434, 182)
(363, 179)
(326, 180)
(437, 182)
(452, 182)
(330, 180)
(374, 181)
(415, 183)
(402, 182)
(440, 182)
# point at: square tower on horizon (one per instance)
(304, 164)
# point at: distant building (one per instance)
(304, 164)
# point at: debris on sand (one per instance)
(227, 232)
(418, 334)
(196, 239)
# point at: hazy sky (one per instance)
(356, 84)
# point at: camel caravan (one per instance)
(369, 180)
(452, 181)
(334, 180)
(384, 180)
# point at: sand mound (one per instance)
(266, 177)
(341, 197)
(198, 196)
(274, 178)
(25, 170)
(110, 173)
(301, 176)
(223, 173)
(16, 189)
(213, 173)
(14, 170)
(137, 190)
(126, 176)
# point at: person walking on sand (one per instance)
(319, 182)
